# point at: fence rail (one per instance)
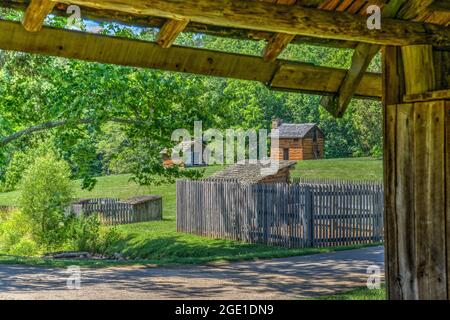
(288, 215)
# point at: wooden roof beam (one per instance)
(193, 27)
(297, 20)
(36, 13)
(170, 31)
(279, 41)
(283, 75)
(362, 56)
(440, 5)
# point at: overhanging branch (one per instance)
(60, 123)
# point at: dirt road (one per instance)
(288, 278)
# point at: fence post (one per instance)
(309, 215)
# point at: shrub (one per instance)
(88, 235)
(46, 191)
(25, 247)
(85, 233)
(16, 235)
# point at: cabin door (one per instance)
(285, 154)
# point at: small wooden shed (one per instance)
(296, 141)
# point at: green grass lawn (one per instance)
(159, 243)
(346, 169)
(359, 294)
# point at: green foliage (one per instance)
(87, 234)
(16, 235)
(359, 294)
(37, 89)
(25, 247)
(46, 191)
(14, 171)
(83, 232)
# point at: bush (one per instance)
(16, 235)
(85, 233)
(46, 191)
(25, 247)
(43, 225)
(88, 235)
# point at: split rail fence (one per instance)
(304, 214)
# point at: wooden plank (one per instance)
(363, 55)
(36, 13)
(78, 45)
(138, 20)
(276, 45)
(419, 64)
(279, 41)
(392, 93)
(429, 203)
(404, 212)
(280, 19)
(428, 96)
(170, 31)
(447, 190)
(289, 76)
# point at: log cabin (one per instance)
(414, 87)
(296, 142)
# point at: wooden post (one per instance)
(416, 168)
(309, 214)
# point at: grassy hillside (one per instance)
(346, 169)
(121, 187)
(159, 243)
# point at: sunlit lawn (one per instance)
(159, 243)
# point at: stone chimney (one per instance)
(276, 123)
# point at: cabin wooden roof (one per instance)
(335, 23)
(250, 172)
(295, 130)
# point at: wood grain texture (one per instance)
(429, 200)
(36, 13)
(392, 81)
(362, 56)
(416, 167)
(279, 41)
(428, 96)
(419, 67)
(139, 20)
(170, 31)
(281, 19)
(276, 45)
(91, 47)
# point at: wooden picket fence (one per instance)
(295, 215)
(116, 211)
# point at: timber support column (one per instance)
(417, 172)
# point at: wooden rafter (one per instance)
(363, 55)
(440, 5)
(36, 13)
(170, 31)
(281, 19)
(279, 41)
(299, 77)
(140, 20)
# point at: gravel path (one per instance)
(287, 278)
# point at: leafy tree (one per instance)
(46, 191)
